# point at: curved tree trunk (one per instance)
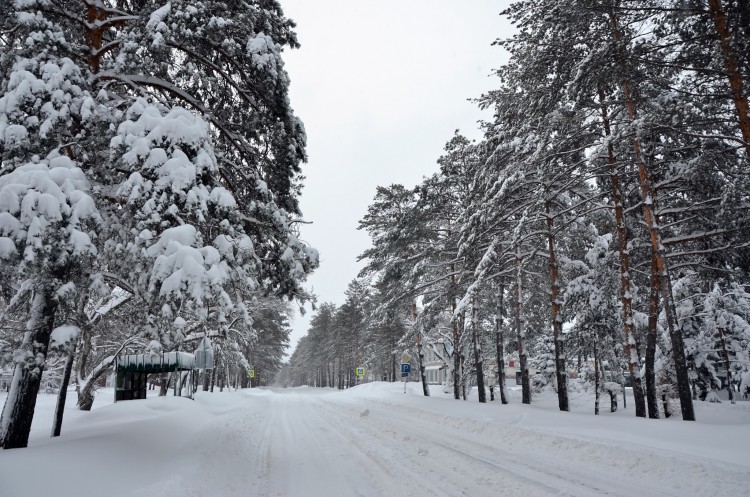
(86, 394)
(83, 359)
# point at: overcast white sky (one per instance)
(381, 85)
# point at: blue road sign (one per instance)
(405, 369)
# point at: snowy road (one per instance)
(371, 441)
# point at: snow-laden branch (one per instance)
(105, 364)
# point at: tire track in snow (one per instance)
(459, 468)
(591, 467)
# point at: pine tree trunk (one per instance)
(725, 355)
(86, 394)
(626, 296)
(86, 397)
(612, 401)
(478, 360)
(164, 384)
(83, 358)
(651, 338)
(63, 394)
(15, 421)
(340, 377)
(647, 195)
(464, 379)
(456, 339)
(393, 364)
(499, 341)
(734, 77)
(422, 371)
(557, 335)
(597, 387)
(521, 334)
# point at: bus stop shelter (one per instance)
(131, 372)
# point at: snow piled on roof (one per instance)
(184, 360)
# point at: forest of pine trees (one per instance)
(599, 231)
(149, 184)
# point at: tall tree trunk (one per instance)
(597, 380)
(456, 338)
(164, 384)
(462, 358)
(734, 77)
(499, 342)
(478, 360)
(626, 294)
(420, 355)
(521, 334)
(86, 397)
(647, 195)
(340, 376)
(725, 355)
(557, 335)
(62, 395)
(83, 359)
(206, 379)
(15, 421)
(393, 363)
(651, 337)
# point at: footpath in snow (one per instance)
(374, 440)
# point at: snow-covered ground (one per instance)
(374, 440)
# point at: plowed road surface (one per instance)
(369, 441)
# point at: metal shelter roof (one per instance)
(156, 363)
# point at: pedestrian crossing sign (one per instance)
(360, 371)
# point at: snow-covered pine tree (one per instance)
(544, 364)
(48, 218)
(178, 112)
(592, 298)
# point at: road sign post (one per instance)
(405, 371)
